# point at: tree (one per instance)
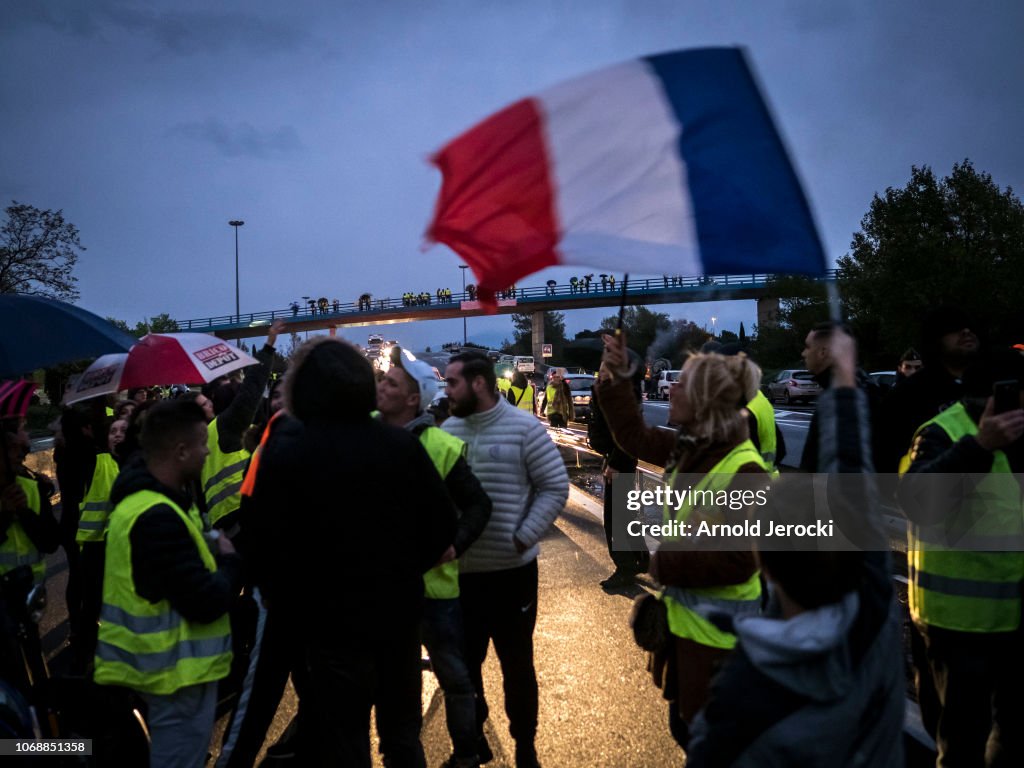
(162, 323)
(956, 241)
(554, 333)
(743, 335)
(38, 251)
(641, 325)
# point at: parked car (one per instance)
(582, 386)
(884, 379)
(523, 363)
(665, 381)
(793, 385)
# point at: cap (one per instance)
(424, 377)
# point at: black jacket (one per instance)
(344, 519)
(165, 562)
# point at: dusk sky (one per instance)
(151, 124)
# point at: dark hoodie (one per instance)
(165, 562)
(825, 687)
(347, 513)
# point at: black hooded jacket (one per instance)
(165, 562)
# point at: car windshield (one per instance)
(581, 384)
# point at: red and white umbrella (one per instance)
(159, 359)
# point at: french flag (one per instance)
(668, 164)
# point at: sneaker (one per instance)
(483, 750)
(618, 579)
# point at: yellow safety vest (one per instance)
(963, 590)
(523, 398)
(150, 647)
(442, 581)
(222, 477)
(687, 607)
(18, 548)
(95, 507)
(764, 414)
(504, 385)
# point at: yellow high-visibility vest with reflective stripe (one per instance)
(18, 548)
(222, 477)
(965, 590)
(150, 647)
(95, 507)
(523, 397)
(764, 414)
(442, 581)
(687, 608)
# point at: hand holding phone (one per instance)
(1006, 396)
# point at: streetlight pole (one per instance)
(236, 224)
(463, 267)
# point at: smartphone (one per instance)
(1006, 395)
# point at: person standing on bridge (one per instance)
(525, 477)
(402, 397)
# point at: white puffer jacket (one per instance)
(522, 471)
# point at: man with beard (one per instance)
(525, 477)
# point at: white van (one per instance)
(523, 363)
(665, 381)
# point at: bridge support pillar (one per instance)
(767, 312)
(537, 336)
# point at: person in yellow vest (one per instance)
(520, 393)
(164, 628)
(28, 532)
(28, 529)
(91, 538)
(712, 441)
(558, 400)
(962, 496)
(230, 408)
(402, 396)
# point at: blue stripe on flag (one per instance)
(750, 211)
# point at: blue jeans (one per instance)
(445, 641)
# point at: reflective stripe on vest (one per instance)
(95, 507)
(970, 591)
(146, 646)
(523, 398)
(688, 609)
(18, 549)
(442, 581)
(222, 477)
(764, 414)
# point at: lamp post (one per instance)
(713, 319)
(236, 223)
(463, 267)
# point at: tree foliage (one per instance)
(162, 323)
(38, 251)
(958, 240)
(642, 326)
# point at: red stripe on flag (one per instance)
(496, 205)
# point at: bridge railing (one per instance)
(314, 310)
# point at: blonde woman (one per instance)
(712, 440)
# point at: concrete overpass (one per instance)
(534, 301)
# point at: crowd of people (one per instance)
(190, 523)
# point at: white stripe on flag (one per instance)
(620, 184)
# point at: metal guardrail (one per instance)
(540, 293)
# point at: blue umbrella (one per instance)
(41, 332)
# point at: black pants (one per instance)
(979, 679)
(269, 666)
(556, 420)
(501, 606)
(344, 679)
(629, 562)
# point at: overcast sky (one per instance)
(151, 124)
